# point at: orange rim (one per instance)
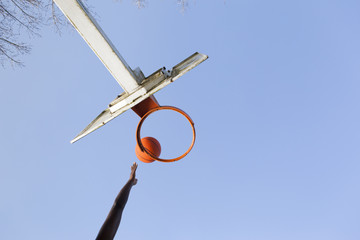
(138, 138)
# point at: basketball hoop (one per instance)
(138, 138)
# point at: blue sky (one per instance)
(276, 109)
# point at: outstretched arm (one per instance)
(112, 222)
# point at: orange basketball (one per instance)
(152, 145)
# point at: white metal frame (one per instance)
(136, 86)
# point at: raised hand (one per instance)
(133, 173)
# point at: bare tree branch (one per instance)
(18, 18)
(140, 3)
(22, 10)
(183, 5)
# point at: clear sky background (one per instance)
(276, 107)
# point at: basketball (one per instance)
(151, 145)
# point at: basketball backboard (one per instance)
(136, 86)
